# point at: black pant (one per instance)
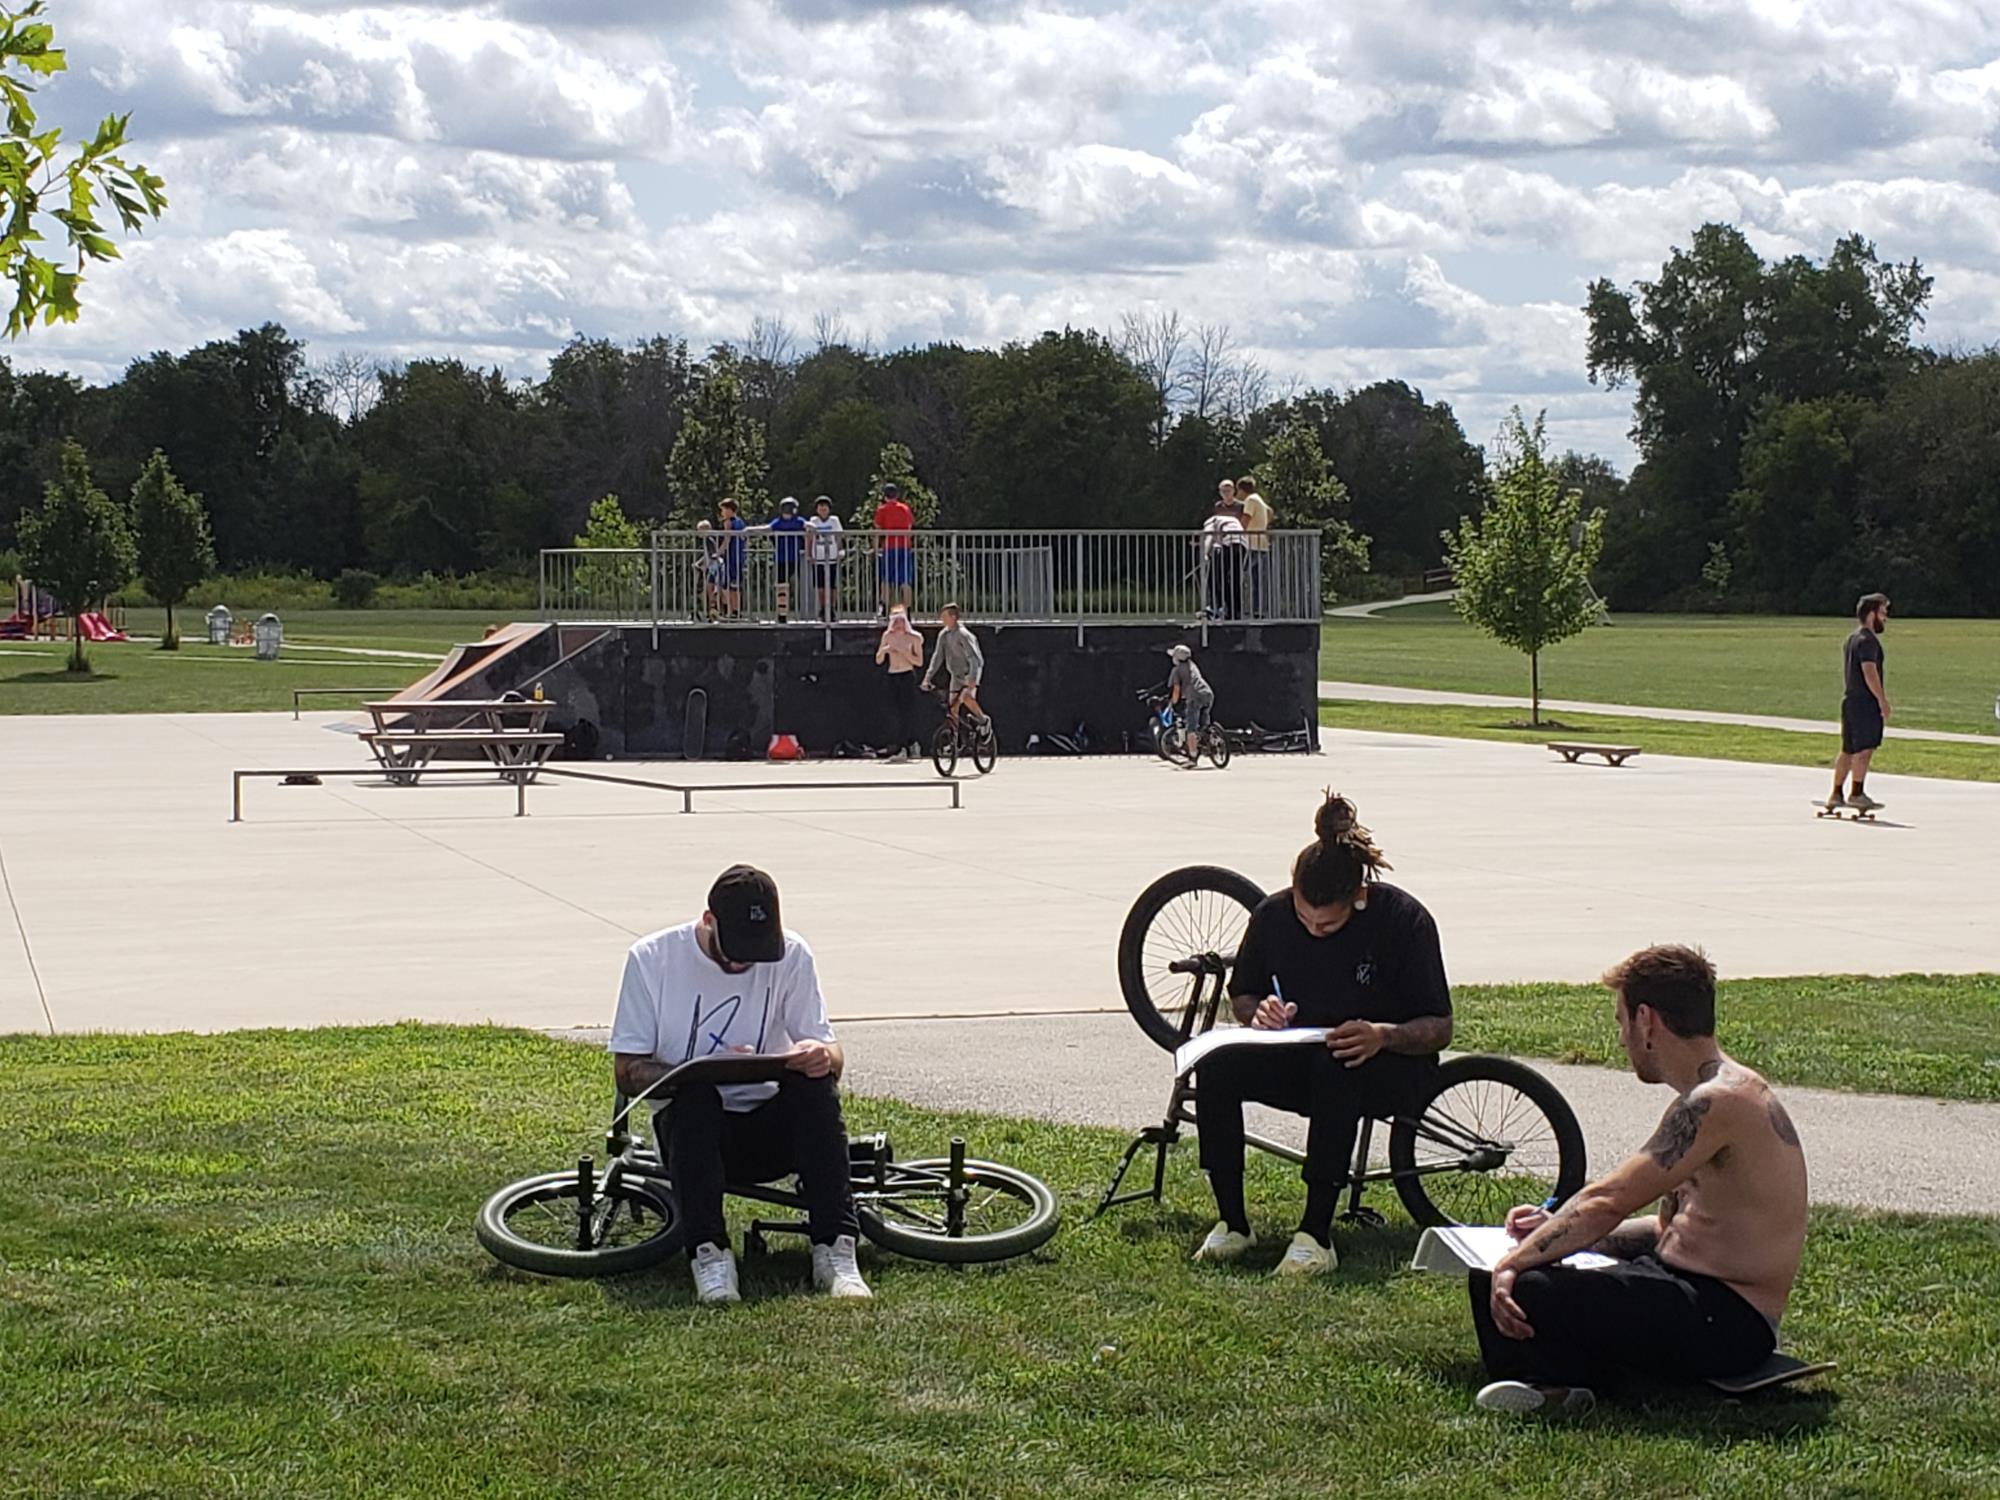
(798, 1130)
(903, 707)
(1307, 1080)
(1860, 724)
(1641, 1315)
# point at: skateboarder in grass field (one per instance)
(1864, 710)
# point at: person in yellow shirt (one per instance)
(1257, 522)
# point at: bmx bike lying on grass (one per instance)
(583, 1222)
(1487, 1134)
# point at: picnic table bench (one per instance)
(510, 733)
(1615, 755)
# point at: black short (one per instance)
(1860, 725)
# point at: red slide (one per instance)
(96, 628)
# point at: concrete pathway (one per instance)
(1375, 692)
(1864, 1150)
(145, 909)
(1374, 608)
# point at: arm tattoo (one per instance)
(1418, 1038)
(1558, 1231)
(1676, 1133)
(1781, 1122)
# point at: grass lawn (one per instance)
(1778, 747)
(1935, 1034)
(138, 677)
(244, 1265)
(1942, 674)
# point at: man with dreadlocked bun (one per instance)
(1341, 948)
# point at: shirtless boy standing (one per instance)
(1700, 1285)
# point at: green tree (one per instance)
(720, 451)
(1715, 573)
(78, 545)
(894, 465)
(41, 184)
(1522, 566)
(1302, 490)
(174, 549)
(611, 583)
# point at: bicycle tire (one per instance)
(944, 750)
(1167, 744)
(1044, 1215)
(1543, 1179)
(985, 750)
(1218, 749)
(503, 1242)
(1163, 1003)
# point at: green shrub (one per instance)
(10, 565)
(355, 588)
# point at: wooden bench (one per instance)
(1615, 755)
(404, 753)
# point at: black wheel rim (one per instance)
(1189, 925)
(1465, 1128)
(914, 1199)
(546, 1217)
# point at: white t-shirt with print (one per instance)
(677, 1003)
(825, 538)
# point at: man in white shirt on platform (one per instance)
(735, 980)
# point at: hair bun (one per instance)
(1336, 816)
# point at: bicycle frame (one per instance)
(1209, 977)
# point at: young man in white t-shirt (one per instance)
(736, 981)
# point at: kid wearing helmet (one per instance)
(1186, 685)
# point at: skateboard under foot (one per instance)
(1847, 814)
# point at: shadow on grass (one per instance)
(65, 676)
(1698, 1413)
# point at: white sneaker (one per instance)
(1519, 1398)
(1223, 1245)
(1306, 1256)
(714, 1275)
(835, 1271)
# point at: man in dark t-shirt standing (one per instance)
(1864, 707)
(1339, 949)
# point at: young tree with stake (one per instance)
(1522, 566)
(175, 552)
(77, 545)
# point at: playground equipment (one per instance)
(38, 615)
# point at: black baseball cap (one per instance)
(748, 929)
(893, 491)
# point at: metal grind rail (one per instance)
(523, 775)
(339, 692)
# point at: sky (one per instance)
(1417, 190)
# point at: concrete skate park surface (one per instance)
(138, 906)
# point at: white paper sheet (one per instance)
(1459, 1248)
(1191, 1053)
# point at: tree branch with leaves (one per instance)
(40, 183)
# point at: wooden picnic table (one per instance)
(460, 713)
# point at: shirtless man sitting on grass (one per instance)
(1699, 1286)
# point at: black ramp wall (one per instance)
(1041, 679)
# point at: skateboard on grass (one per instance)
(1849, 814)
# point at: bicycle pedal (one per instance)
(1364, 1218)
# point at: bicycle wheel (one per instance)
(1170, 742)
(632, 1224)
(1493, 1133)
(985, 749)
(944, 750)
(1005, 1211)
(1184, 914)
(1218, 748)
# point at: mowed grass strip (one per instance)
(1921, 1034)
(1940, 672)
(1940, 759)
(244, 1264)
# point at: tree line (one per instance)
(434, 466)
(1797, 445)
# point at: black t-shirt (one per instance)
(1863, 645)
(1383, 965)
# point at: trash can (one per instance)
(219, 620)
(270, 634)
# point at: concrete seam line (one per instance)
(27, 949)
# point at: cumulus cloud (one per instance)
(1418, 191)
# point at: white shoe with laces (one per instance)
(1306, 1256)
(835, 1271)
(1223, 1245)
(1521, 1399)
(714, 1275)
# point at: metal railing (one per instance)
(1048, 577)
